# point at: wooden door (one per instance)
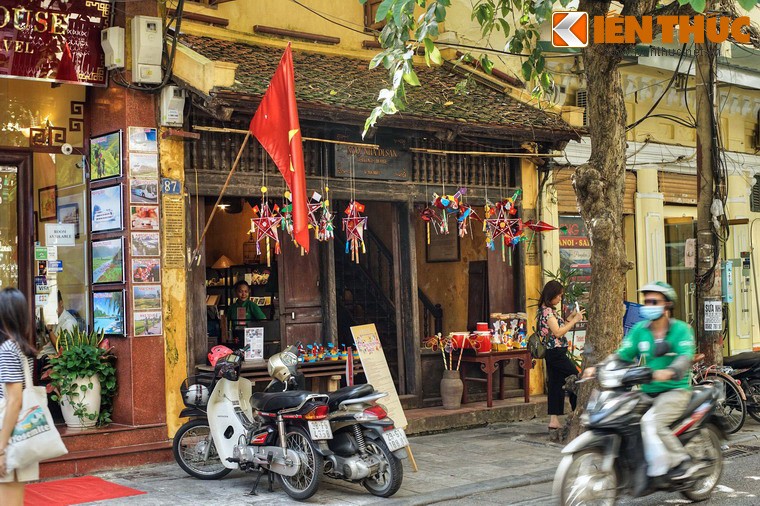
(503, 290)
(300, 294)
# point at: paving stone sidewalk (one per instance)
(451, 465)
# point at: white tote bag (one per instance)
(34, 437)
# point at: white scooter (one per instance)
(276, 432)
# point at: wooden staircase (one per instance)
(109, 447)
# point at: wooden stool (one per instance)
(334, 383)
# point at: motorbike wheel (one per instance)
(581, 480)
(705, 447)
(305, 483)
(753, 396)
(389, 476)
(734, 409)
(191, 443)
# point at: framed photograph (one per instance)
(108, 261)
(108, 312)
(443, 247)
(143, 139)
(105, 156)
(47, 202)
(105, 209)
(68, 212)
(143, 165)
(146, 270)
(145, 244)
(143, 217)
(143, 191)
(148, 323)
(146, 297)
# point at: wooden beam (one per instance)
(282, 32)
(202, 18)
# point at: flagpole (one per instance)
(219, 199)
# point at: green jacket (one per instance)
(640, 343)
(252, 313)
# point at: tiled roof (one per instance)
(347, 83)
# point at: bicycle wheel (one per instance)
(753, 399)
(733, 408)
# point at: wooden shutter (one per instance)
(370, 10)
(678, 188)
(566, 201)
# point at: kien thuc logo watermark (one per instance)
(571, 29)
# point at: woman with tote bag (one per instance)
(15, 346)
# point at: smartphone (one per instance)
(577, 307)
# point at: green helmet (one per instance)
(661, 287)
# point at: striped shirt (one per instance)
(11, 368)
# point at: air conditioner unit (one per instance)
(581, 100)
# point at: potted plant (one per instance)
(83, 378)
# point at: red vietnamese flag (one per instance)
(276, 126)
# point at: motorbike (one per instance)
(277, 433)
(745, 368)
(607, 460)
(365, 447)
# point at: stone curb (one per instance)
(462, 491)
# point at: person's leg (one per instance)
(567, 368)
(555, 395)
(12, 494)
(662, 449)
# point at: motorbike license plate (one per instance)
(395, 439)
(320, 430)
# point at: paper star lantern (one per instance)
(354, 226)
(264, 225)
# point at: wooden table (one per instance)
(320, 371)
(489, 363)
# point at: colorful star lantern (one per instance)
(541, 226)
(354, 226)
(429, 215)
(448, 204)
(466, 214)
(264, 225)
(502, 224)
(326, 229)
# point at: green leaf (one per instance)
(748, 4)
(411, 78)
(527, 70)
(698, 5)
(486, 64)
(505, 26)
(382, 10)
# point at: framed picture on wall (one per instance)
(106, 209)
(146, 244)
(143, 139)
(108, 312)
(108, 261)
(105, 156)
(443, 247)
(143, 217)
(146, 297)
(69, 211)
(47, 203)
(147, 323)
(146, 270)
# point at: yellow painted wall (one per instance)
(174, 298)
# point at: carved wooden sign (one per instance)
(386, 162)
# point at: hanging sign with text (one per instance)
(367, 162)
(53, 41)
(173, 231)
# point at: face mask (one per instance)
(651, 312)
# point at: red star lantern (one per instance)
(313, 207)
(265, 227)
(354, 226)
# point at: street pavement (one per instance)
(504, 463)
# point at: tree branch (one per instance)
(729, 7)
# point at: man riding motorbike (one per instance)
(666, 345)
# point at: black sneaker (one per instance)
(684, 470)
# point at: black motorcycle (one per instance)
(608, 459)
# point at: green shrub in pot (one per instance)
(84, 355)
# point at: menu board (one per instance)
(376, 369)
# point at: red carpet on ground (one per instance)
(74, 491)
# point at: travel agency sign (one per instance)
(53, 40)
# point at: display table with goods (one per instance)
(319, 363)
(493, 348)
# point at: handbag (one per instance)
(34, 438)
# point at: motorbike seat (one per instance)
(743, 360)
(700, 394)
(345, 393)
(277, 401)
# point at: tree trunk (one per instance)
(599, 187)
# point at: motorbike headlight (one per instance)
(611, 378)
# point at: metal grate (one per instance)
(737, 451)
(581, 100)
(754, 199)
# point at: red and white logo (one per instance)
(570, 29)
